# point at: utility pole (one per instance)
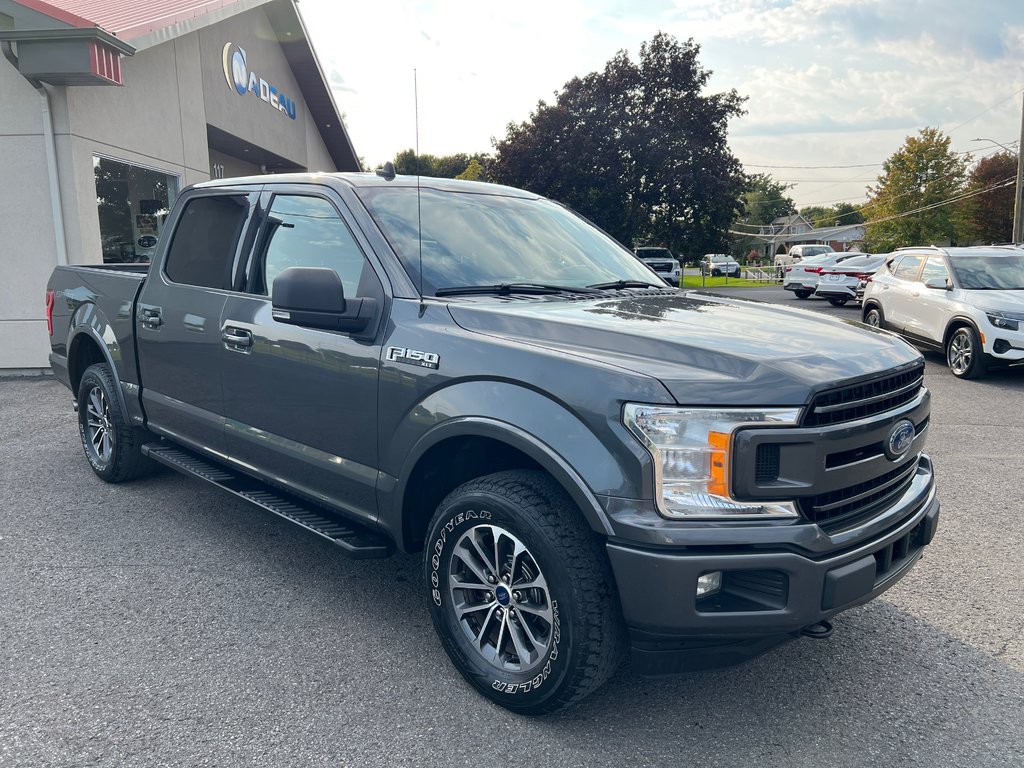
(1018, 208)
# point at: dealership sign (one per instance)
(236, 72)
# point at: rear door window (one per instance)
(205, 239)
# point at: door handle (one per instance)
(237, 338)
(151, 317)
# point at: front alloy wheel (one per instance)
(501, 598)
(964, 354)
(521, 592)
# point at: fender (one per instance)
(88, 320)
(585, 463)
(955, 320)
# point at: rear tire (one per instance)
(837, 301)
(802, 294)
(111, 445)
(874, 317)
(964, 354)
(522, 594)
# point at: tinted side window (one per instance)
(306, 232)
(907, 268)
(205, 240)
(934, 267)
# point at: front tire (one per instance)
(522, 595)
(112, 446)
(964, 354)
(837, 301)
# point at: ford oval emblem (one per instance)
(900, 439)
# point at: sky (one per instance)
(836, 83)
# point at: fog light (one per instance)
(708, 583)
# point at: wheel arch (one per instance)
(465, 448)
(959, 321)
(87, 347)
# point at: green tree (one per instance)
(909, 204)
(437, 166)
(763, 201)
(474, 172)
(988, 217)
(637, 147)
(833, 215)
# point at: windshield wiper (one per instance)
(620, 284)
(506, 289)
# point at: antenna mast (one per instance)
(419, 214)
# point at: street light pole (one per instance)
(1018, 209)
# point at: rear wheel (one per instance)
(837, 301)
(874, 317)
(111, 445)
(802, 294)
(964, 354)
(522, 595)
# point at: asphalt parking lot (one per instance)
(163, 623)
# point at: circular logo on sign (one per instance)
(235, 70)
(900, 439)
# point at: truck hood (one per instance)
(704, 349)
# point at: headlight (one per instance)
(1008, 320)
(692, 450)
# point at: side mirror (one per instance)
(938, 283)
(314, 297)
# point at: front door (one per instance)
(301, 403)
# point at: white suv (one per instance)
(965, 302)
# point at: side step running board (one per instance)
(358, 541)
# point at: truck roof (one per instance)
(373, 180)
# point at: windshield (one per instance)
(654, 253)
(991, 272)
(815, 250)
(471, 239)
(860, 263)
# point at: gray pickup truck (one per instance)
(589, 460)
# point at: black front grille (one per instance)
(860, 401)
(847, 505)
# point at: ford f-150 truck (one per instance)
(588, 460)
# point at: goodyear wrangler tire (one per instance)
(521, 592)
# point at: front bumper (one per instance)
(768, 594)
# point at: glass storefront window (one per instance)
(133, 204)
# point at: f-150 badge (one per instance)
(413, 357)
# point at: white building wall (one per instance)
(157, 120)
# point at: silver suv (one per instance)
(965, 302)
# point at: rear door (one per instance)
(178, 318)
(301, 403)
(900, 300)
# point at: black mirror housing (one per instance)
(314, 297)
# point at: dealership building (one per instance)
(111, 107)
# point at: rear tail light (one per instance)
(815, 270)
(49, 311)
(866, 276)
(789, 269)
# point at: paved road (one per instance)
(163, 623)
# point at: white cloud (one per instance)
(829, 82)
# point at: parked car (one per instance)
(662, 261)
(802, 278)
(717, 264)
(845, 282)
(798, 253)
(965, 302)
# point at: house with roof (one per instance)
(786, 231)
(111, 107)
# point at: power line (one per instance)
(812, 167)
